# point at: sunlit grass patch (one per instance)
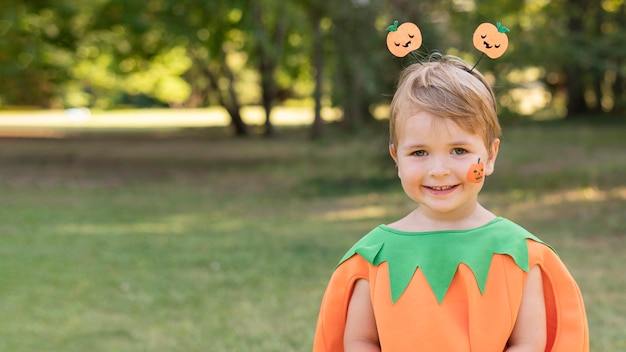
(64, 123)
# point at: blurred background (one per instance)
(565, 59)
(142, 207)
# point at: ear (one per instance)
(394, 156)
(392, 152)
(491, 161)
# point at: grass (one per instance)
(196, 241)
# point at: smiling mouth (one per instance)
(440, 188)
(487, 45)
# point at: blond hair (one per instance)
(447, 87)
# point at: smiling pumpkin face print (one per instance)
(476, 172)
(491, 40)
(404, 38)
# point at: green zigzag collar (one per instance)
(439, 253)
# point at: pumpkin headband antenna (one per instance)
(490, 40)
(406, 38)
(477, 62)
(414, 55)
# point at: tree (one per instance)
(270, 24)
(577, 43)
(28, 57)
(234, 53)
(208, 42)
(315, 18)
(358, 52)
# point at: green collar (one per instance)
(439, 253)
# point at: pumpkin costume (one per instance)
(452, 291)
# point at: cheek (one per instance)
(405, 171)
(410, 173)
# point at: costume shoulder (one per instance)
(334, 308)
(565, 309)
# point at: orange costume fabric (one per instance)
(472, 311)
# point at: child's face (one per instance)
(441, 166)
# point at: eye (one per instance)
(497, 46)
(411, 35)
(458, 151)
(419, 153)
(483, 36)
(397, 44)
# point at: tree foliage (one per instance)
(233, 53)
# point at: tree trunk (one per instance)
(352, 113)
(576, 105)
(318, 62)
(619, 86)
(351, 94)
(229, 102)
(241, 129)
(267, 93)
(268, 87)
(269, 49)
(619, 90)
(598, 72)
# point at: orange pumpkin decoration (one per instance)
(404, 38)
(491, 40)
(476, 172)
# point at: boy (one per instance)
(450, 275)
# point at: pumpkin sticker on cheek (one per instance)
(491, 40)
(476, 172)
(404, 38)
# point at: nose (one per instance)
(439, 168)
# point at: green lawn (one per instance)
(196, 241)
